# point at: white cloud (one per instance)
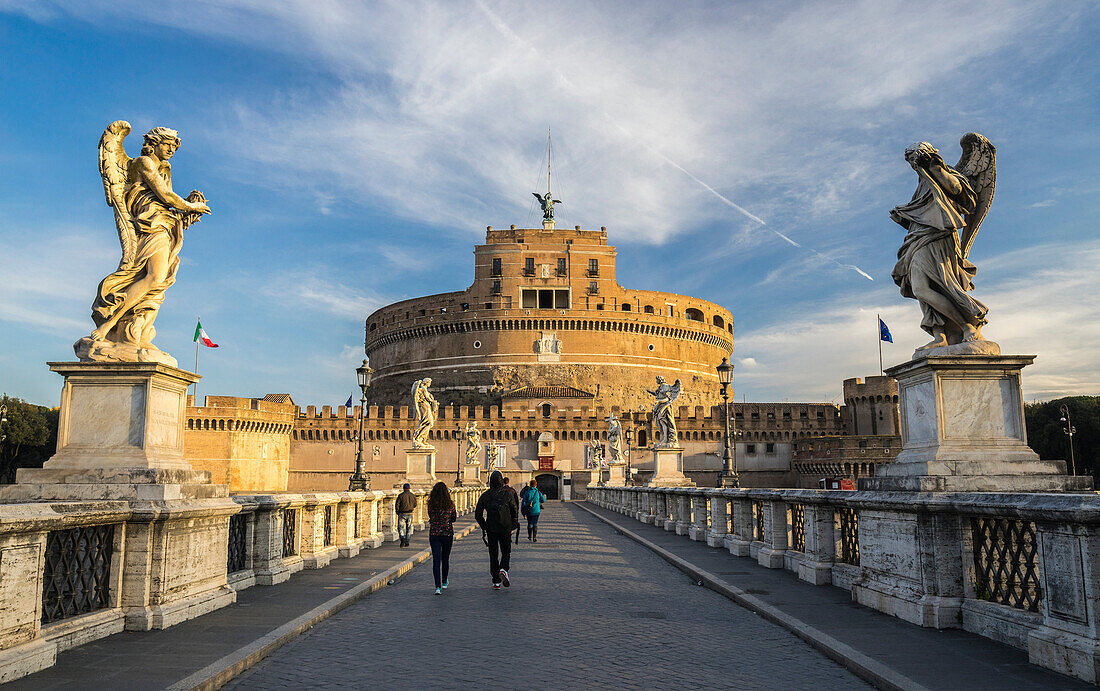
(1044, 300)
(312, 291)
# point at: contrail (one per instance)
(507, 32)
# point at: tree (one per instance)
(1046, 435)
(28, 436)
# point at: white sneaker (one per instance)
(504, 578)
(438, 591)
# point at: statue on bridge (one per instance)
(150, 219)
(473, 443)
(942, 220)
(426, 410)
(663, 417)
(615, 438)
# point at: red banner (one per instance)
(546, 462)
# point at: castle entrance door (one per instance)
(548, 485)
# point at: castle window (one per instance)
(561, 266)
(626, 306)
(593, 268)
(495, 290)
(769, 448)
(750, 448)
(529, 266)
(693, 314)
(423, 312)
(651, 347)
(771, 415)
(802, 415)
(496, 268)
(373, 327)
(719, 322)
(648, 309)
(546, 409)
(821, 413)
(546, 299)
(755, 415)
(641, 438)
(593, 288)
(561, 299)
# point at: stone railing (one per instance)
(1021, 569)
(66, 578)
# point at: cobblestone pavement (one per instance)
(588, 607)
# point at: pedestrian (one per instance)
(406, 504)
(533, 499)
(497, 513)
(441, 533)
(515, 497)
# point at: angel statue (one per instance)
(942, 220)
(614, 438)
(547, 203)
(473, 443)
(595, 454)
(662, 413)
(150, 219)
(426, 410)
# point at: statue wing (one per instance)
(415, 386)
(539, 197)
(114, 167)
(979, 164)
(674, 391)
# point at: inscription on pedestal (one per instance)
(1065, 577)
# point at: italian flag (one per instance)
(200, 335)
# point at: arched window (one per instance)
(648, 309)
(719, 322)
(626, 306)
(641, 438)
(546, 409)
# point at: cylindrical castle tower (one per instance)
(545, 310)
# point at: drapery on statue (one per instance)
(492, 454)
(473, 443)
(150, 219)
(595, 453)
(663, 416)
(547, 202)
(942, 221)
(426, 410)
(615, 438)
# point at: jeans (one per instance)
(500, 553)
(532, 520)
(404, 526)
(441, 556)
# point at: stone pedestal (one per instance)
(668, 468)
(419, 468)
(471, 475)
(962, 430)
(616, 475)
(120, 437)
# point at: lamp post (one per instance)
(729, 465)
(629, 441)
(458, 463)
(1069, 430)
(359, 479)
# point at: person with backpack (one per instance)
(441, 533)
(404, 507)
(531, 507)
(497, 512)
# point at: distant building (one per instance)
(242, 442)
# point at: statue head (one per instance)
(660, 379)
(162, 141)
(427, 382)
(918, 152)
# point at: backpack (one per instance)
(525, 506)
(498, 512)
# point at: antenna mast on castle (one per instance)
(547, 161)
(548, 201)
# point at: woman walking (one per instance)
(533, 499)
(441, 532)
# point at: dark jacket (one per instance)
(496, 488)
(406, 502)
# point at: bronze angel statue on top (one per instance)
(547, 203)
(150, 219)
(942, 220)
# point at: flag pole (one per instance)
(878, 328)
(196, 372)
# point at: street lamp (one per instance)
(359, 479)
(629, 441)
(1069, 430)
(729, 470)
(458, 463)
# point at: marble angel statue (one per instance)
(663, 416)
(941, 221)
(150, 219)
(614, 438)
(473, 443)
(426, 410)
(595, 454)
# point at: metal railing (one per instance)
(848, 529)
(77, 574)
(237, 559)
(290, 532)
(1006, 564)
(798, 527)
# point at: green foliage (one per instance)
(1046, 436)
(29, 436)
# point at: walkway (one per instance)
(588, 608)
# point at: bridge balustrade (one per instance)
(1020, 569)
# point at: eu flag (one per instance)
(884, 332)
(348, 404)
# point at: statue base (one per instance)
(419, 468)
(470, 475)
(548, 224)
(962, 429)
(668, 468)
(616, 475)
(89, 350)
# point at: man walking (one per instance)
(497, 513)
(404, 507)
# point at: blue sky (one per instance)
(353, 153)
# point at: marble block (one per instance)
(471, 475)
(616, 475)
(419, 467)
(121, 415)
(962, 429)
(668, 468)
